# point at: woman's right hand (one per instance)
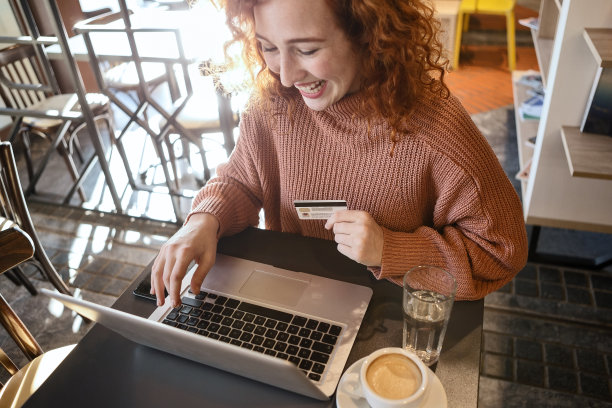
(195, 241)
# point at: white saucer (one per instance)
(435, 398)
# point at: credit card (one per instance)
(318, 209)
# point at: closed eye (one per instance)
(308, 52)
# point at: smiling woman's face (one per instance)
(302, 43)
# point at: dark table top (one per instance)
(107, 370)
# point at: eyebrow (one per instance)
(293, 40)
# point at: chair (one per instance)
(13, 207)
(184, 115)
(19, 75)
(208, 111)
(497, 7)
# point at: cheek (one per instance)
(272, 64)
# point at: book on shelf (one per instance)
(532, 79)
(523, 173)
(531, 108)
(598, 113)
(530, 22)
(531, 142)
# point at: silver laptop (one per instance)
(284, 328)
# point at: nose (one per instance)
(290, 71)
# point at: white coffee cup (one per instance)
(390, 378)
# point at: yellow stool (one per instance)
(500, 7)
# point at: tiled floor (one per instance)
(547, 334)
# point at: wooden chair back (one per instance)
(13, 206)
(19, 66)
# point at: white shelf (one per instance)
(543, 47)
(552, 197)
(588, 154)
(525, 129)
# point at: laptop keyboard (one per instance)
(306, 342)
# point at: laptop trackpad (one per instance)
(274, 288)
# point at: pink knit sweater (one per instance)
(442, 198)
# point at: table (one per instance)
(202, 33)
(106, 370)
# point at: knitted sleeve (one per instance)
(477, 230)
(235, 194)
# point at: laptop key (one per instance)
(269, 343)
(264, 311)
(259, 320)
(246, 336)
(270, 323)
(280, 346)
(299, 321)
(319, 357)
(293, 329)
(293, 350)
(335, 330)
(323, 327)
(322, 347)
(295, 360)
(329, 339)
(271, 333)
(191, 302)
(314, 377)
(169, 322)
(220, 300)
(235, 333)
(318, 368)
(305, 365)
(312, 324)
(233, 303)
(316, 335)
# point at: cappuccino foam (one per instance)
(393, 376)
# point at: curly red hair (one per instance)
(397, 39)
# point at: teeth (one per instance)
(311, 88)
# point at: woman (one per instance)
(350, 104)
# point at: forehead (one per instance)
(283, 20)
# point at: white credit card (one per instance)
(318, 209)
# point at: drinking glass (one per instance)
(429, 293)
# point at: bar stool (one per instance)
(495, 7)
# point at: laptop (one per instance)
(284, 328)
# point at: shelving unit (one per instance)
(552, 197)
(544, 36)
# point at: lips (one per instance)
(312, 89)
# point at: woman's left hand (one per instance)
(358, 236)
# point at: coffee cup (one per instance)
(390, 378)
